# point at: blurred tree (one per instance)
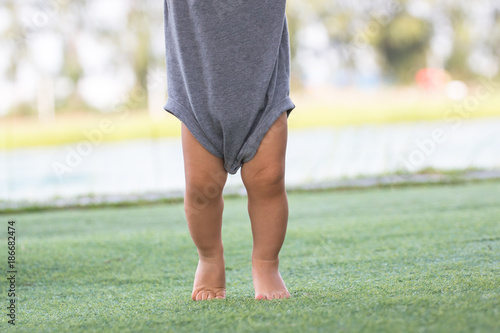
(294, 24)
(403, 45)
(401, 40)
(139, 52)
(14, 33)
(457, 63)
(493, 38)
(71, 68)
(18, 34)
(354, 30)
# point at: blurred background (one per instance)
(385, 91)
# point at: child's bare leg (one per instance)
(203, 204)
(263, 177)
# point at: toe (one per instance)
(211, 296)
(199, 296)
(204, 296)
(220, 294)
(260, 297)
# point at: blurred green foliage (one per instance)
(403, 44)
(401, 33)
(397, 34)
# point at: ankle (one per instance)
(212, 255)
(265, 260)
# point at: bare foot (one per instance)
(209, 280)
(267, 280)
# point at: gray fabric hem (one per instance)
(250, 147)
(179, 111)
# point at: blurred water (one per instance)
(313, 156)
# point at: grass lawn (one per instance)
(402, 259)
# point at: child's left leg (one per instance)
(264, 179)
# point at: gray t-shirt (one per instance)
(228, 72)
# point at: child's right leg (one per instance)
(203, 204)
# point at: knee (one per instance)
(265, 180)
(205, 187)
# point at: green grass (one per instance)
(407, 259)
